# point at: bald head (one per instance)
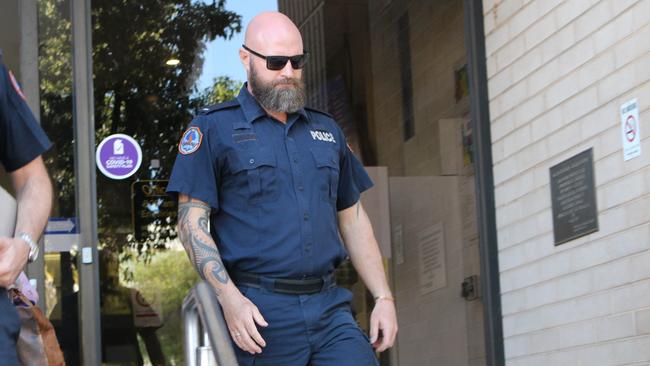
(273, 33)
(278, 90)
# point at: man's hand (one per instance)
(384, 319)
(13, 257)
(362, 246)
(241, 316)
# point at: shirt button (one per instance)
(295, 160)
(252, 161)
(306, 217)
(300, 188)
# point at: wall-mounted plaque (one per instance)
(573, 195)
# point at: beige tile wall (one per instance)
(437, 47)
(558, 72)
(440, 328)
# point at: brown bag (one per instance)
(37, 344)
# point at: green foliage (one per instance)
(167, 278)
(223, 88)
(168, 273)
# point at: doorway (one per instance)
(395, 75)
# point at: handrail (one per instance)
(204, 323)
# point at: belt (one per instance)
(291, 286)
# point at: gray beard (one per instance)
(286, 100)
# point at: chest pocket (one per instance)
(257, 170)
(327, 163)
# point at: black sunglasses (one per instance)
(276, 63)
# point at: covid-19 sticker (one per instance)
(118, 156)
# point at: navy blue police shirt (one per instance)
(21, 138)
(274, 188)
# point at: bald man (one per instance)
(267, 188)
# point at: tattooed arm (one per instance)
(194, 233)
(356, 231)
(240, 313)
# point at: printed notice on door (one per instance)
(433, 272)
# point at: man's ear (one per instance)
(244, 57)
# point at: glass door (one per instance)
(147, 58)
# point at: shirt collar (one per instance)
(250, 106)
(253, 110)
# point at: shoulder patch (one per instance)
(319, 111)
(191, 141)
(218, 107)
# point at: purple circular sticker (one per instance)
(118, 156)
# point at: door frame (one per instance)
(485, 207)
(86, 191)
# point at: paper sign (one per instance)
(433, 268)
(630, 130)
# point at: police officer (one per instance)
(265, 187)
(21, 146)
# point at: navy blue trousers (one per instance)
(308, 330)
(9, 329)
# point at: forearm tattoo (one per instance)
(193, 219)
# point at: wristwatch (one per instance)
(33, 246)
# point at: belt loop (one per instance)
(267, 283)
(328, 282)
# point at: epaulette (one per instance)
(319, 111)
(219, 106)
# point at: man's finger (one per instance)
(251, 346)
(389, 332)
(259, 319)
(374, 329)
(236, 337)
(257, 337)
(252, 329)
(243, 343)
(384, 342)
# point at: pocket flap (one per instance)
(325, 157)
(247, 160)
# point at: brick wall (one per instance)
(558, 72)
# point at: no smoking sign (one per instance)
(630, 130)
